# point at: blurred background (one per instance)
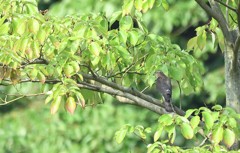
(27, 126)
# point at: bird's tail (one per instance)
(167, 104)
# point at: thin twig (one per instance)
(89, 69)
(128, 68)
(231, 8)
(180, 104)
(203, 142)
(145, 88)
(233, 19)
(30, 95)
(140, 138)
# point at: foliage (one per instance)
(84, 58)
(35, 130)
(83, 43)
(219, 125)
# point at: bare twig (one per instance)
(129, 67)
(203, 142)
(233, 19)
(231, 8)
(145, 88)
(180, 104)
(140, 138)
(30, 95)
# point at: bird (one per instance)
(163, 85)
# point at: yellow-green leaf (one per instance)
(207, 117)
(187, 131)
(55, 104)
(71, 105)
(94, 48)
(228, 137)
(217, 135)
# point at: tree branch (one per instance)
(231, 8)
(217, 15)
(237, 43)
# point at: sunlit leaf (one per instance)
(126, 23)
(187, 131)
(207, 117)
(228, 137)
(217, 135)
(71, 105)
(55, 104)
(138, 4)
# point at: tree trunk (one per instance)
(232, 78)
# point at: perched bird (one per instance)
(163, 85)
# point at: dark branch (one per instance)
(231, 8)
(217, 15)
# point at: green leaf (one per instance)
(163, 118)
(126, 23)
(71, 105)
(55, 104)
(207, 117)
(33, 26)
(148, 130)
(175, 73)
(187, 131)
(138, 5)
(68, 69)
(33, 73)
(3, 19)
(150, 3)
(80, 99)
(115, 16)
(153, 146)
(4, 28)
(133, 35)
(157, 134)
(54, 41)
(213, 24)
(232, 122)
(122, 35)
(124, 54)
(186, 86)
(189, 112)
(217, 107)
(165, 5)
(145, 7)
(75, 66)
(121, 135)
(41, 77)
(195, 121)
(201, 40)
(50, 70)
(228, 137)
(217, 135)
(128, 7)
(35, 48)
(114, 41)
(23, 45)
(41, 36)
(101, 30)
(158, 3)
(49, 98)
(215, 116)
(94, 48)
(192, 42)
